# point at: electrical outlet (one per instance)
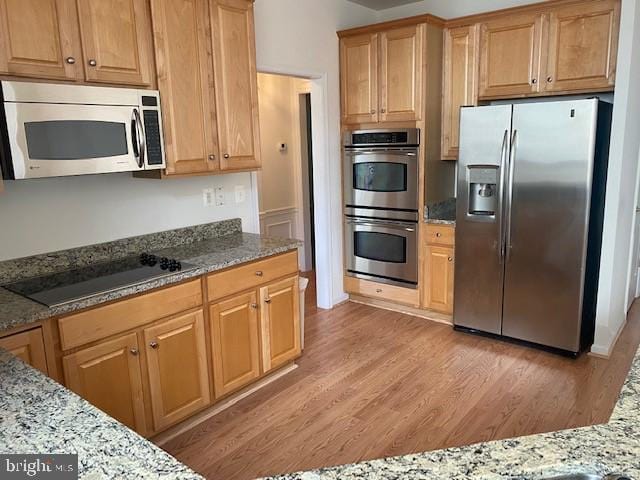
(207, 197)
(219, 196)
(240, 194)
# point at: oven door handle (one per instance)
(393, 226)
(352, 153)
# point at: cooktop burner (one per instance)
(73, 285)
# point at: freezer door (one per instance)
(484, 141)
(546, 234)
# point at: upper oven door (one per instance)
(381, 178)
(50, 140)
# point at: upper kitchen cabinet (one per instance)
(359, 78)
(185, 79)
(40, 39)
(401, 60)
(106, 41)
(236, 83)
(583, 44)
(510, 55)
(116, 41)
(381, 75)
(460, 83)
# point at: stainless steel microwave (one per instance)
(52, 130)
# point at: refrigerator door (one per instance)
(484, 142)
(547, 221)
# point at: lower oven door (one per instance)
(382, 250)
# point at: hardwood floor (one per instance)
(374, 383)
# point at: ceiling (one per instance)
(383, 4)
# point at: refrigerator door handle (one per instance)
(503, 165)
(509, 201)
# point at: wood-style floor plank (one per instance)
(374, 383)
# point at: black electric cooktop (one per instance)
(73, 285)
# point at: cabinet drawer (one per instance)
(392, 293)
(440, 235)
(245, 277)
(102, 322)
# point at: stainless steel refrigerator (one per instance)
(531, 185)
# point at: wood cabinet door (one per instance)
(40, 39)
(108, 375)
(460, 83)
(235, 345)
(583, 45)
(438, 289)
(182, 38)
(359, 78)
(510, 56)
(177, 368)
(236, 83)
(280, 323)
(28, 347)
(116, 41)
(401, 62)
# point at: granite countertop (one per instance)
(600, 449)
(206, 255)
(38, 415)
(441, 213)
(439, 221)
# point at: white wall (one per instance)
(622, 184)
(448, 9)
(298, 37)
(38, 216)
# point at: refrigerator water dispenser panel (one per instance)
(483, 190)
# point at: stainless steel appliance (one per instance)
(64, 287)
(57, 130)
(531, 184)
(381, 205)
(381, 169)
(383, 250)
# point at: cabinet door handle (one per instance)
(450, 259)
(212, 157)
(226, 155)
(378, 290)
(383, 111)
(373, 112)
(534, 81)
(254, 306)
(259, 273)
(70, 60)
(438, 234)
(134, 351)
(154, 345)
(549, 79)
(92, 63)
(267, 300)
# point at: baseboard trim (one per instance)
(601, 352)
(395, 307)
(164, 437)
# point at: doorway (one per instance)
(285, 183)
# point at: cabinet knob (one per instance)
(267, 300)
(259, 273)
(212, 157)
(383, 111)
(438, 234)
(92, 62)
(154, 345)
(254, 306)
(549, 79)
(372, 112)
(534, 81)
(70, 60)
(450, 259)
(226, 155)
(378, 290)
(134, 351)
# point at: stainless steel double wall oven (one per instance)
(381, 205)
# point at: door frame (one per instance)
(328, 227)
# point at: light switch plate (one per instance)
(240, 193)
(207, 197)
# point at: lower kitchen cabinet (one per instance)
(177, 368)
(280, 323)
(109, 376)
(439, 268)
(27, 346)
(235, 344)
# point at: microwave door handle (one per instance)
(141, 146)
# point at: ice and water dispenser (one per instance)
(483, 190)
